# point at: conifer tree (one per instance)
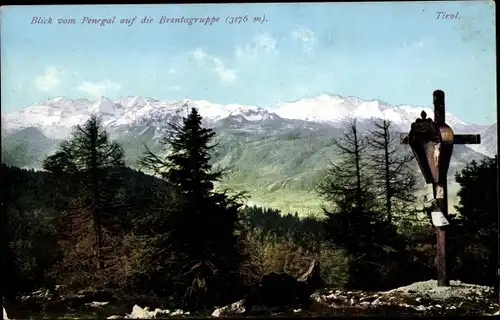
(201, 256)
(475, 237)
(354, 221)
(347, 182)
(390, 170)
(84, 167)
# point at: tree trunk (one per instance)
(358, 169)
(387, 174)
(95, 199)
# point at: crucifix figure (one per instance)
(432, 144)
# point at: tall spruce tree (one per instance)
(84, 166)
(201, 256)
(390, 170)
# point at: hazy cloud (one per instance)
(199, 54)
(420, 44)
(99, 88)
(306, 37)
(49, 80)
(225, 74)
(263, 43)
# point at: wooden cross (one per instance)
(438, 164)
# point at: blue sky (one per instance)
(396, 52)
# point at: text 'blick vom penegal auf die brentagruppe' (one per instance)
(190, 21)
(138, 20)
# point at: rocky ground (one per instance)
(422, 298)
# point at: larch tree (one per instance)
(347, 183)
(84, 167)
(355, 222)
(391, 170)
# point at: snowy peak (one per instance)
(255, 115)
(259, 116)
(328, 108)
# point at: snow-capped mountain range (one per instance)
(55, 117)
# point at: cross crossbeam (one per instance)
(457, 139)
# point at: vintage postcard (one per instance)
(294, 156)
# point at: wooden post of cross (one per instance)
(432, 144)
